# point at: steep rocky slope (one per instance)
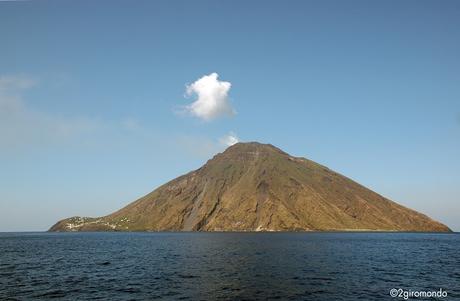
(258, 187)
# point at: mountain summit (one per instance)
(258, 187)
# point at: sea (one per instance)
(229, 266)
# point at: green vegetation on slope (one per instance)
(258, 187)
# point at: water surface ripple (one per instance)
(225, 266)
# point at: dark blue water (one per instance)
(230, 266)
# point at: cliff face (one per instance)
(258, 187)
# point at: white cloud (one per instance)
(131, 124)
(197, 145)
(22, 125)
(229, 139)
(212, 98)
(14, 83)
(204, 147)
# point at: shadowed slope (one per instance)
(258, 187)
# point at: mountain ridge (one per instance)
(258, 187)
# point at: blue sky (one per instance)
(94, 110)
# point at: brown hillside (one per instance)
(258, 187)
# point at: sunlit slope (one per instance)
(258, 187)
